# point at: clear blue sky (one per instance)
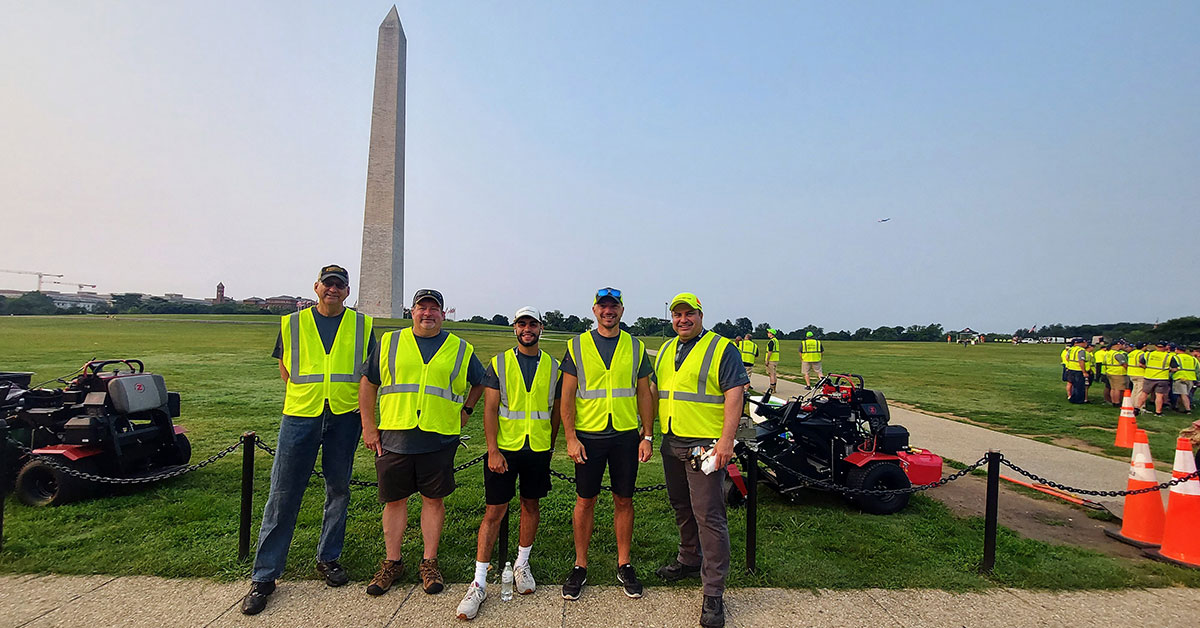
(1037, 159)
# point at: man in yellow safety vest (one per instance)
(1116, 371)
(1137, 372)
(772, 357)
(606, 387)
(521, 416)
(321, 351)
(749, 350)
(1077, 371)
(1184, 380)
(699, 382)
(426, 381)
(811, 353)
(1160, 365)
(1063, 357)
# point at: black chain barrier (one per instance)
(609, 488)
(146, 479)
(830, 486)
(259, 443)
(1083, 491)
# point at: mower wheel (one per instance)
(181, 453)
(41, 484)
(877, 476)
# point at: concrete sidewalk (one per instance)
(966, 443)
(95, 601)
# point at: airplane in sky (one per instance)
(883, 220)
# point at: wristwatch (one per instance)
(649, 439)
(469, 410)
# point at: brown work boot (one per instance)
(431, 576)
(389, 572)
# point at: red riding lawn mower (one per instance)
(113, 419)
(839, 434)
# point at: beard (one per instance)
(521, 339)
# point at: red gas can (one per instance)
(921, 466)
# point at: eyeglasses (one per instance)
(333, 282)
(608, 292)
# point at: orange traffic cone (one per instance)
(1142, 525)
(1127, 424)
(1180, 543)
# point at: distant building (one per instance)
(220, 294)
(282, 300)
(87, 301)
(255, 301)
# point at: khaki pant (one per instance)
(749, 369)
(1137, 388)
(771, 370)
(805, 367)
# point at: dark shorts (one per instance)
(401, 475)
(619, 453)
(1065, 371)
(533, 469)
(1159, 386)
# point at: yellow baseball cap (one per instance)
(688, 298)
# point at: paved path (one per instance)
(966, 443)
(136, 601)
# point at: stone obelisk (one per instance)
(381, 276)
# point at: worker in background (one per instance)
(1077, 371)
(772, 357)
(1160, 365)
(1089, 367)
(1184, 380)
(1195, 352)
(1116, 371)
(749, 351)
(1063, 358)
(1137, 372)
(811, 352)
(1099, 357)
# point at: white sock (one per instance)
(522, 556)
(481, 570)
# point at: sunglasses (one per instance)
(334, 283)
(608, 292)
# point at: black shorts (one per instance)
(401, 475)
(1065, 370)
(532, 467)
(619, 453)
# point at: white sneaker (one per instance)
(468, 608)
(523, 580)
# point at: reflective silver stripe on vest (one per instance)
(294, 374)
(699, 396)
(436, 391)
(518, 415)
(553, 380)
(360, 332)
(500, 375)
(637, 363)
(400, 388)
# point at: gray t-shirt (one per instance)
(607, 347)
(1120, 358)
(730, 374)
(417, 440)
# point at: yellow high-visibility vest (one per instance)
(1113, 367)
(690, 401)
(415, 394)
(773, 350)
(525, 413)
(316, 378)
(1063, 357)
(605, 391)
(1135, 363)
(1076, 354)
(811, 350)
(749, 351)
(1099, 359)
(1187, 367)
(1158, 365)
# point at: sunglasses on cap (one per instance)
(608, 292)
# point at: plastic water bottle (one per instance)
(506, 583)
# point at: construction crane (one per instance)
(40, 276)
(78, 286)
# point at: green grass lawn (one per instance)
(229, 384)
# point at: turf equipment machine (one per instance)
(113, 419)
(839, 435)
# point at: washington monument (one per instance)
(381, 276)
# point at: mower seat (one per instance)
(137, 393)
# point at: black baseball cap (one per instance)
(426, 293)
(333, 270)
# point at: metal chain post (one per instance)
(991, 511)
(249, 440)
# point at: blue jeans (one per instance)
(336, 435)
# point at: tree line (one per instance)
(35, 303)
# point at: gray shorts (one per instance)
(1156, 386)
(1182, 387)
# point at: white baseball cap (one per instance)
(529, 311)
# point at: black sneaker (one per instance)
(333, 573)
(1157, 414)
(712, 613)
(574, 584)
(677, 571)
(256, 600)
(628, 579)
